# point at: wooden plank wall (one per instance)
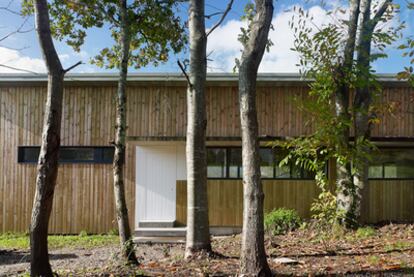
(386, 200)
(225, 199)
(84, 192)
(153, 110)
(389, 200)
(160, 111)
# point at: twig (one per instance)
(185, 73)
(228, 8)
(14, 48)
(18, 31)
(213, 14)
(72, 67)
(18, 69)
(10, 11)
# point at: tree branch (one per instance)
(18, 31)
(208, 16)
(73, 66)
(228, 8)
(14, 48)
(18, 69)
(380, 12)
(10, 11)
(184, 72)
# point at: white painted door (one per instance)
(157, 171)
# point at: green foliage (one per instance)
(322, 58)
(397, 246)
(281, 221)
(21, 241)
(154, 27)
(365, 232)
(324, 209)
(243, 37)
(408, 51)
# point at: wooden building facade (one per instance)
(155, 159)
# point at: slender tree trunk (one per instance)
(198, 234)
(363, 97)
(362, 101)
(344, 182)
(127, 245)
(253, 260)
(47, 168)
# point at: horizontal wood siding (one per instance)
(225, 199)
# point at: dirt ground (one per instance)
(384, 251)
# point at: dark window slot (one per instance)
(70, 154)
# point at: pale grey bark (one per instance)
(253, 260)
(363, 95)
(198, 234)
(127, 245)
(47, 168)
(344, 183)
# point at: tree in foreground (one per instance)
(198, 233)
(47, 168)
(327, 56)
(366, 88)
(144, 32)
(253, 260)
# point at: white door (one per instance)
(157, 171)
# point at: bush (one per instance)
(281, 221)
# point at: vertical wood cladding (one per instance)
(84, 193)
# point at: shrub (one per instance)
(281, 221)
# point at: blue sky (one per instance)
(223, 44)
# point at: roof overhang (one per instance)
(168, 79)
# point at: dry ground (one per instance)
(384, 251)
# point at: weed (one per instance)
(113, 232)
(374, 260)
(365, 232)
(83, 233)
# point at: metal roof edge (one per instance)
(168, 77)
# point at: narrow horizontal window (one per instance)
(226, 163)
(69, 154)
(392, 163)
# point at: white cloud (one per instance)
(225, 48)
(15, 59)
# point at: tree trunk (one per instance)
(47, 168)
(363, 97)
(253, 260)
(362, 101)
(344, 183)
(198, 234)
(127, 245)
